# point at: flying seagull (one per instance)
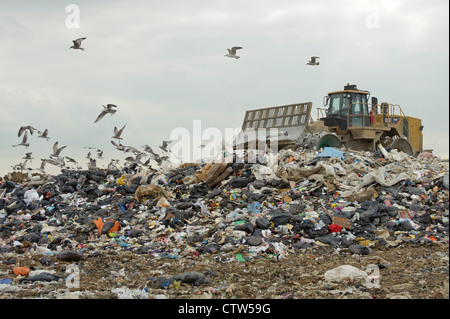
(99, 154)
(117, 133)
(45, 161)
(44, 134)
(132, 149)
(28, 157)
(109, 108)
(232, 52)
(60, 162)
(112, 165)
(99, 151)
(71, 160)
(24, 141)
(164, 145)
(313, 61)
(148, 149)
(20, 166)
(147, 163)
(135, 159)
(77, 44)
(92, 164)
(119, 146)
(56, 150)
(159, 159)
(24, 128)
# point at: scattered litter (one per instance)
(182, 222)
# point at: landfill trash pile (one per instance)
(333, 224)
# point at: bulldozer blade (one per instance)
(328, 140)
(402, 145)
(279, 126)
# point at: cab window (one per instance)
(335, 104)
(359, 103)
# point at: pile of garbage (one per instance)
(346, 202)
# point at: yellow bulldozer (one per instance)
(347, 119)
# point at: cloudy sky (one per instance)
(162, 63)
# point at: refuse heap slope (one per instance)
(176, 220)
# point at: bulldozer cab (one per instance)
(361, 125)
(347, 108)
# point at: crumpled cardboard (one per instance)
(211, 174)
(149, 191)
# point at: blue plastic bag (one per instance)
(331, 152)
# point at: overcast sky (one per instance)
(162, 63)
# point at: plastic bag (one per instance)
(30, 196)
(331, 152)
(345, 272)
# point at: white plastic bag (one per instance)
(30, 196)
(345, 272)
